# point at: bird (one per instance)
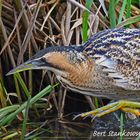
(106, 65)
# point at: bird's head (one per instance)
(60, 60)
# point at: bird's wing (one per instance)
(117, 51)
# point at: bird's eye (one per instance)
(43, 59)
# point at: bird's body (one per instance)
(107, 65)
(116, 69)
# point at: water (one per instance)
(106, 127)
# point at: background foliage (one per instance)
(29, 26)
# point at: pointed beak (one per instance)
(28, 65)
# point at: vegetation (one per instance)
(29, 26)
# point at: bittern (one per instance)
(107, 65)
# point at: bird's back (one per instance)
(117, 53)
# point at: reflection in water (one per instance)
(67, 130)
(106, 127)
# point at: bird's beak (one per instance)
(28, 65)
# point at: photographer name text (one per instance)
(115, 133)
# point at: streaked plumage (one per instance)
(107, 65)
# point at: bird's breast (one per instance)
(88, 76)
(92, 81)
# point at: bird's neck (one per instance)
(77, 74)
(85, 75)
